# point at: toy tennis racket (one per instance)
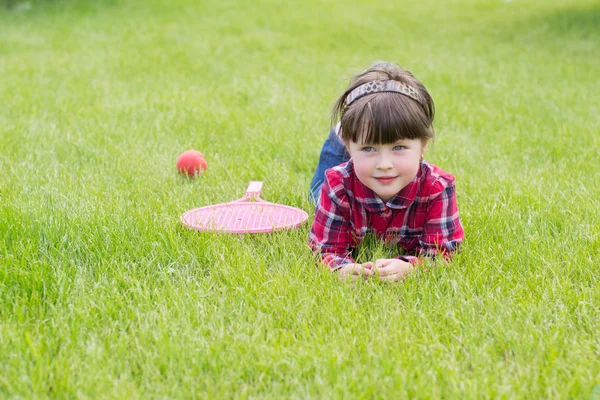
(250, 214)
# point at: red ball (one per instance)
(191, 163)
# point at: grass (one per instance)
(104, 295)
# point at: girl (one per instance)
(372, 178)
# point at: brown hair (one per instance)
(385, 117)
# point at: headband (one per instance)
(382, 86)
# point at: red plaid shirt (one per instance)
(422, 219)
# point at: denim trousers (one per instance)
(333, 153)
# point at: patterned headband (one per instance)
(382, 86)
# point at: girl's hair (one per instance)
(385, 117)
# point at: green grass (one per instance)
(104, 295)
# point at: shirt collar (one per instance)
(373, 203)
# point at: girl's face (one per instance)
(387, 168)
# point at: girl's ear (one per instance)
(425, 144)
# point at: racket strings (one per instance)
(245, 217)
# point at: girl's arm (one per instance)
(330, 234)
(443, 232)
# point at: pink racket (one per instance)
(250, 214)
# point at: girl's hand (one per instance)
(356, 271)
(392, 269)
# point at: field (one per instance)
(104, 295)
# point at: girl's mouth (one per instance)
(386, 180)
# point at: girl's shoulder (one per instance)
(435, 180)
(339, 180)
(342, 171)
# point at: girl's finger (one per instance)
(359, 269)
(368, 265)
(352, 278)
(345, 271)
(388, 270)
(382, 262)
(356, 269)
(395, 277)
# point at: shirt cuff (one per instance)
(335, 262)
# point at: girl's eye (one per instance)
(368, 149)
(398, 148)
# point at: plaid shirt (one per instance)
(422, 219)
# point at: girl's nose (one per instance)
(385, 162)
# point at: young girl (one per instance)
(372, 178)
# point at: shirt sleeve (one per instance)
(330, 235)
(443, 232)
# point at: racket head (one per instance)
(244, 217)
(250, 214)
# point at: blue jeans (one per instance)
(333, 153)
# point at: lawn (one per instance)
(104, 295)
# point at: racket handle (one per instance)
(254, 189)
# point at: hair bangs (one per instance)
(385, 118)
